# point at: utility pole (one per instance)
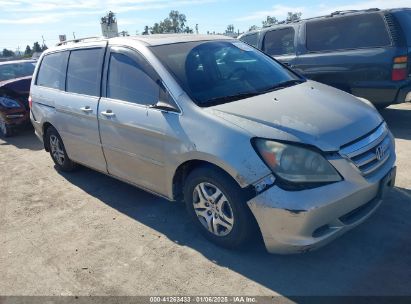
(74, 36)
(18, 50)
(44, 41)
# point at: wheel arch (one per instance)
(46, 126)
(185, 168)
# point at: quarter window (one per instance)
(84, 72)
(128, 81)
(250, 39)
(350, 32)
(279, 42)
(52, 71)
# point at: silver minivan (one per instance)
(247, 143)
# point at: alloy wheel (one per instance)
(213, 209)
(3, 127)
(57, 150)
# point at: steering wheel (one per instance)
(239, 72)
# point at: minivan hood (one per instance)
(310, 113)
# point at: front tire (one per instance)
(58, 151)
(217, 206)
(5, 129)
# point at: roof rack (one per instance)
(354, 11)
(80, 40)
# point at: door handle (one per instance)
(86, 109)
(108, 113)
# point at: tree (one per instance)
(178, 22)
(44, 47)
(174, 23)
(36, 47)
(292, 17)
(28, 50)
(146, 30)
(253, 28)
(230, 29)
(269, 21)
(7, 53)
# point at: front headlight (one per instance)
(296, 164)
(9, 103)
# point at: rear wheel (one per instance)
(58, 151)
(216, 205)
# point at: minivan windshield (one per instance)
(221, 71)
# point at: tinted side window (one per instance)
(405, 20)
(250, 39)
(360, 31)
(128, 81)
(84, 72)
(279, 42)
(52, 71)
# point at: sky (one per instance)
(23, 22)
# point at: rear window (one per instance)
(84, 72)
(52, 71)
(279, 42)
(360, 31)
(250, 39)
(405, 19)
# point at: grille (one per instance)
(370, 152)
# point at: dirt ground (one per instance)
(87, 234)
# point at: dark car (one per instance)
(15, 79)
(366, 53)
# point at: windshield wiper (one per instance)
(283, 85)
(229, 98)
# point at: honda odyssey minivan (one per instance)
(249, 145)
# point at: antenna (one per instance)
(44, 41)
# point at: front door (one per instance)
(132, 134)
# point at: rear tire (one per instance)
(217, 206)
(58, 151)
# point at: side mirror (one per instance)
(165, 101)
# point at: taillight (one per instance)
(30, 102)
(400, 68)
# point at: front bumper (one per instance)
(16, 117)
(299, 221)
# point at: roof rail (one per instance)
(80, 40)
(354, 11)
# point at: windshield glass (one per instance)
(215, 72)
(16, 70)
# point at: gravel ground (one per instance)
(87, 234)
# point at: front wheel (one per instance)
(216, 205)
(5, 129)
(58, 151)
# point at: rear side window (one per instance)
(84, 72)
(52, 71)
(405, 19)
(360, 31)
(279, 42)
(127, 80)
(250, 39)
